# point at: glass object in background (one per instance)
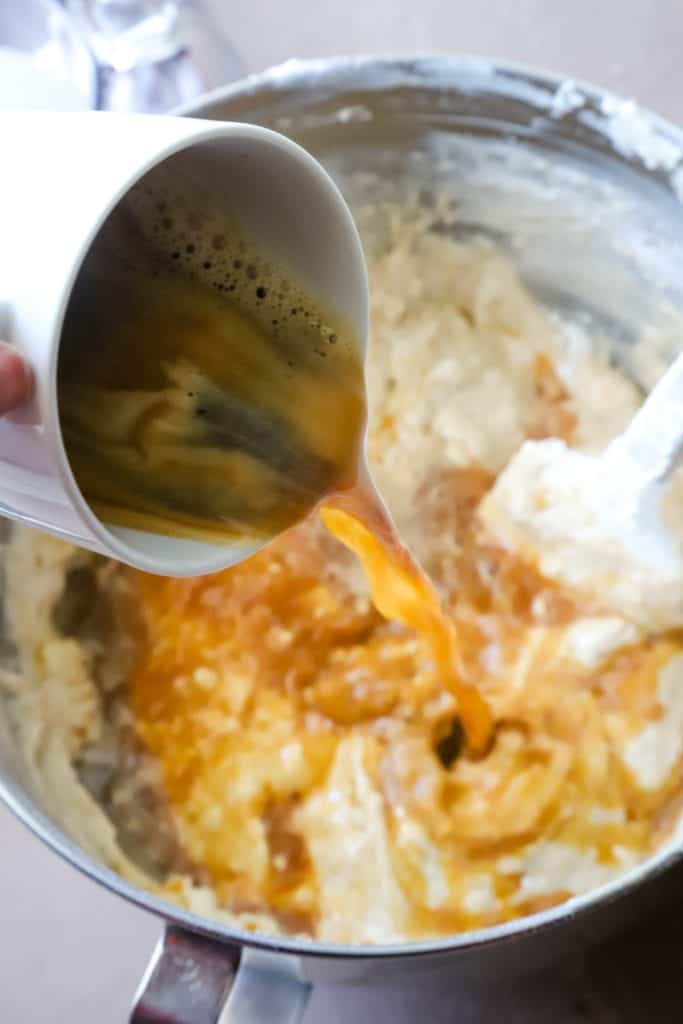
(154, 54)
(125, 33)
(44, 63)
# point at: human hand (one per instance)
(15, 378)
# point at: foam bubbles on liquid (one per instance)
(186, 238)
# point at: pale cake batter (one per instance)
(271, 752)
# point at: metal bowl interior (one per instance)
(580, 187)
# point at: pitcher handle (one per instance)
(192, 979)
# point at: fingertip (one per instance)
(16, 379)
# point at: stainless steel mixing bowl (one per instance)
(583, 190)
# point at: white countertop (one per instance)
(71, 952)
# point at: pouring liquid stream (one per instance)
(402, 591)
(203, 396)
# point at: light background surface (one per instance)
(71, 952)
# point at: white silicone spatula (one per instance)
(595, 523)
(635, 466)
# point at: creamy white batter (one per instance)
(451, 384)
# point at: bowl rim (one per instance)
(592, 105)
(30, 815)
(435, 70)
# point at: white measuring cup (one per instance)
(61, 175)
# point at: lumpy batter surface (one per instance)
(300, 758)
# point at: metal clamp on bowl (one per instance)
(193, 980)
